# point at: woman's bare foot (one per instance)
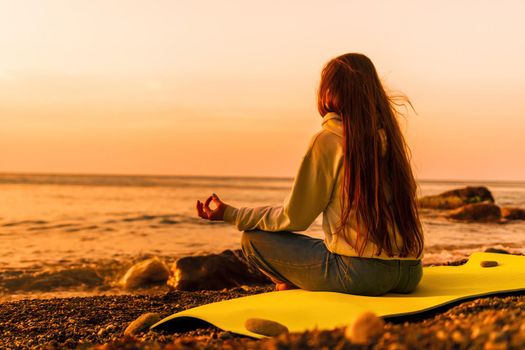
(278, 284)
(284, 286)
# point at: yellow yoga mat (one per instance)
(301, 310)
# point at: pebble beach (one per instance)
(489, 323)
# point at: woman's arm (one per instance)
(309, 196)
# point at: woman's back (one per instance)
(328, 144)
(356, 172)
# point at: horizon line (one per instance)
(11, 173)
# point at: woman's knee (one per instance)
(247, 241)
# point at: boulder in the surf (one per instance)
(479, 212)
(457, 198)
(513, 213)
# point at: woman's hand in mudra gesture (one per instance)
(205, 212)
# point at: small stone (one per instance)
(495, 346)
(475, 332)
(69, 343)
(441, 335)
(142, 323)
(496, 250)
(457, 337)
(265, 327)
(396, 346)
(224, 335)
(488, 263)
(365, 328)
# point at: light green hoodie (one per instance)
(316, 189)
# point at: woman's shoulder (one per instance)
(326, 141)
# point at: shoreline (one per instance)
(101, 277)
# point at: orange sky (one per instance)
(228, 87)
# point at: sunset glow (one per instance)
(228, 87)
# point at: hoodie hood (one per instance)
(333, 122)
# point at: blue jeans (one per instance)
(305, 262)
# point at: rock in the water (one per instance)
(215, 271)
(265, 327)
(513, 213)
(457, 198)
(488, 263)
(496, 250)
(142, 323)
(145, 273)
(365, 328)
(477, 212)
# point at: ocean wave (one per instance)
(250, 183)
(25, 222)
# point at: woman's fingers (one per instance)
(216, 199)
(198, 206)
(207, 208)
(204, 210)
(200, 210)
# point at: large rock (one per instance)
(215, 271)
(477, 212)
(457, 198)
(513, 213)
(145, 273)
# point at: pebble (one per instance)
(495, 346)
(488, 263)
(265, 327)
(475, 332)
(142, 323)
(441, 335)
(365, 328)
(457, 337)
(496, 250)
(225, 335)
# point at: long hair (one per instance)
(378, 183)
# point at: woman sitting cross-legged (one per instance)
(356, 172)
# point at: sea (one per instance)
(53, 226)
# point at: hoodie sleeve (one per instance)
(309, 196)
